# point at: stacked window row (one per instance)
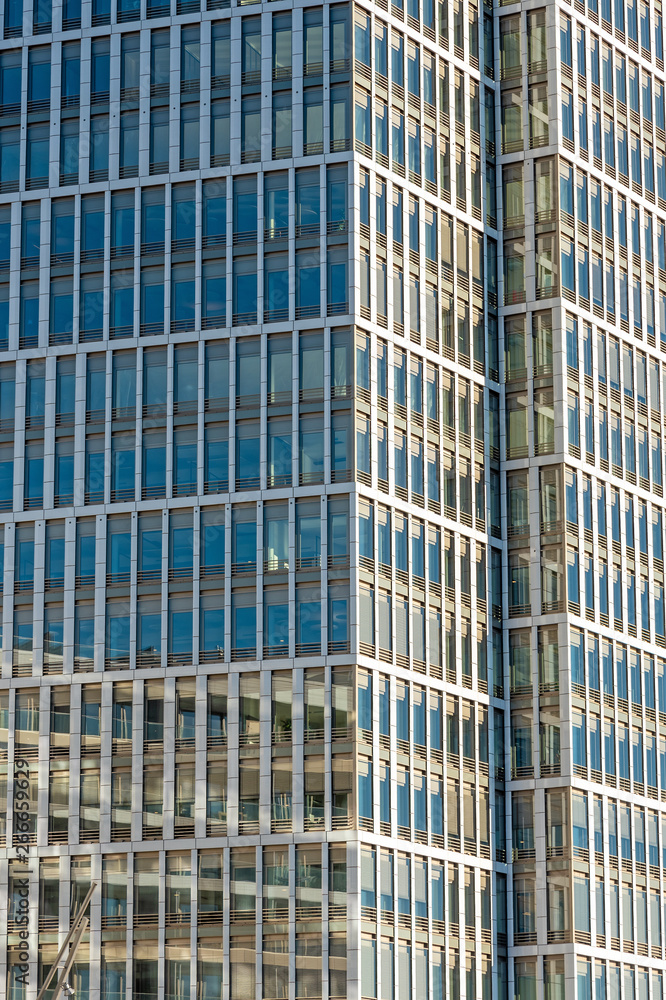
(613, 897)
(201, 51)
(397, 112)
(619, 292)
(511, 34)
(518, 419)
(434, 450)
(43, 17)
(623, 746)
(408, 787)
(594, 220)
(630, 79)
(594, 979)
(277, 764)
(102, 12)
(626, 20)
(401, 784)
(612, 581)
(212, 895)
(534, 735)
(165, 584)
(614, 426)
(204, 131)
(613, 127)
(634, 445)
(397, 290)
(622, 591)
(273, 882)
(146, 565)
(610, 745)
(94, 291)
(450, 907)
(613, 746)
(422, 631)
(634, 448)
(593, 214)
(149, 453)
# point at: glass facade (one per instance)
(331, 498)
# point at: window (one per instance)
(281, 126)
(247, 455)
(9, 159)
(362, 119)
(510, 47)
(250, 129)
(214, 214)
(189, 136)
(307, 284)
(339, 38)
(311, 450)
(512, 121)
(39, 79)
(339, 118)
(337, 283)
(221, 53)
(245, 291)
(160, 55)
(276, 287)
(245, 209)
(129, 67)
(282, 47)
(538, 115)
(189, 60)
(129, 143)
(514, 208)
(313, 121)
(313, 41)
(37, 156)
(251, 50)
(537, 54)
(100, 69)
(70, 75)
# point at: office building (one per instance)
(332, 382)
